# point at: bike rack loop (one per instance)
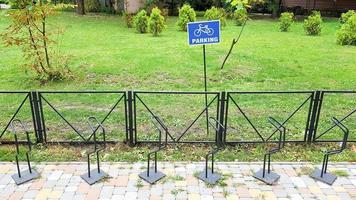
(272, 177)
(22, 177)
(93, 176)
(209, 176)
(149, 176)
(322, 175)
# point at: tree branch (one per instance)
(233, 43)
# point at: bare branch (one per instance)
(233, 43)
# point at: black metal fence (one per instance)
(249, 111)
(335, 104)
(184, 113)
(102, 106)
(60, 116)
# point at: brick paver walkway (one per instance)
(62, 181)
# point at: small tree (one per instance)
(186, 15)
(28, 29)
(156, 22)
(312, 25)
(285, 21)
(240, 16)
(216, 14)
(141, 21)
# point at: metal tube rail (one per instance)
(156, 175)
(93, 176)
(322, 174)
(212, 178)
(271, 177)
(20, 177)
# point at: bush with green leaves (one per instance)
(215, 13)
(186, 15)
(141, 21)
(345, 16)
(285, 21)
(347, 33)
(312, 25)
(156, 22)
(240, 16)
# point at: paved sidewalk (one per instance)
(62, 181)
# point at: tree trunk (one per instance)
(116, 6)
(80, 7)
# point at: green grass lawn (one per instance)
(105, 55)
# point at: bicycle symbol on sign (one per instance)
(203, 29)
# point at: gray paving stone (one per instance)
(30, 194)
(289, 187)
(119, 190)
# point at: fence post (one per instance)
(36, 116)
(320, 102)
(130, 117)
(314, 116)
(221, 119)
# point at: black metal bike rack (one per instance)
(322, 175)
(270, 177)
(93, 176)
(24, 176)
(152, 175)
(208, 175)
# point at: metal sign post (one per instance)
(205, 90)
(203, 33)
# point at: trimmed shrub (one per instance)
(347, 33)
(186, 15)
(345, 16)
(240, 16)
(91, 6)
(285, 21)
(141, 21)
(128, 19)
(312, 25)
(156, 22)
(216, 14)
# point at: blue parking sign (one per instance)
(204, 32)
